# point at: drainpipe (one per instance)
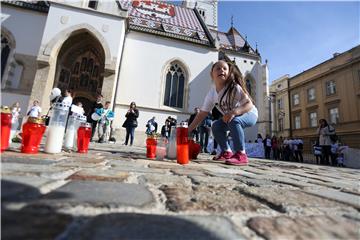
(289, 107)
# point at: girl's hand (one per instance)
(228, 117)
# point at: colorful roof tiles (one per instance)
(232, 40)
(165, 19)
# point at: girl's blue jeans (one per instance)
(236, 128)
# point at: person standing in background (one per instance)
(275, 147)
(97, 104)
(131, 123)
(267, 146)
(106, 117)
(15, 111)
(67, 98)
(204, 131)
(35, 110)
(324, 131)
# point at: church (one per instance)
(155, 53)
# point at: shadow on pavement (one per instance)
(41, 221)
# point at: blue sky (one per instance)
(294, 36)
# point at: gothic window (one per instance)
(95, 72)
(83, 64)
(5, 51)
(76, 68)
(90, 65)
(84, 80)
(174, 86)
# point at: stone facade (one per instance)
(324, 90)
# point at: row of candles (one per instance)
(179, 146)
(77, 131)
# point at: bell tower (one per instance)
(208, 10)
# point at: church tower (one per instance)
(208, 10)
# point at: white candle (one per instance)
(69, 138)
(54, 139)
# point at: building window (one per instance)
(280, 103)
(93, 4)
(5, 51)
(313, 119)
(311, 94)
(281, 124)
(334, 115)
(202, 13)
(330, 88)
(174, 87)
(297, 122)
(296, 99)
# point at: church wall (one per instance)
(109, 7)
(142, 76)
(65, 21)
(25, 28)
(62, 17)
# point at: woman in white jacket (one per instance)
(324, 131)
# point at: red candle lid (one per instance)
(38, 120)
(85, 124)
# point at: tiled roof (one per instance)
(232, 40)
(41, 6)
(165, 19)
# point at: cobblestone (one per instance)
(114, 192)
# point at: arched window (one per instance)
(174, 86)
(5, 51)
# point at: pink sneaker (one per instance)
(223, 156)
(238, 158)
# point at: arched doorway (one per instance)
(80, 68)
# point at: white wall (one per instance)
(103, 6)
(142, 73)
(26, 26)
(110, 27)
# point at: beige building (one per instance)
(330, 90)
(279, 97)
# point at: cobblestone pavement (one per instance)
(114, 192)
